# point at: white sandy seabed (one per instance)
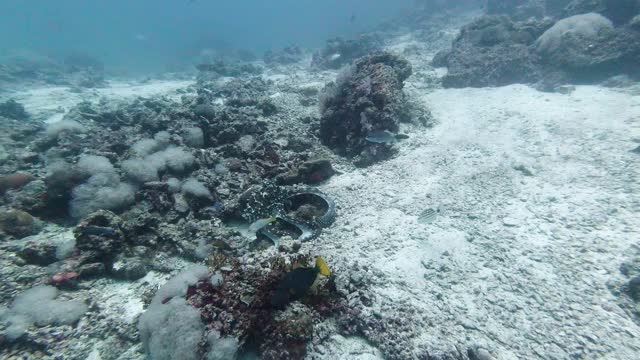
(515, 263)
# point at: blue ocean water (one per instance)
(153, 35)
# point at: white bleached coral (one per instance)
(39, 306)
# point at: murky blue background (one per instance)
(154, 34)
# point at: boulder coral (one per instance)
(366, 97)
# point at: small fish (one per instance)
(334, 57)
(297, 282)
(259, 224)
(427, 216)
(381, 137)
(99, 231)
(352, 19)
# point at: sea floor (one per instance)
(538, 205)
(536, 197)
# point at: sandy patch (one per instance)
(537, 195)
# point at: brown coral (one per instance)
(14, 181)
(19, 223)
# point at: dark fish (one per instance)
(297, 282)
(352, 19)
(100, 231)
(384, 137)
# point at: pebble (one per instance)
(216, 279)
(483, 354)
(509, 221)
(180, 203)
(29, 157)
(129, 268)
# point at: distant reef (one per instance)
(537, 43)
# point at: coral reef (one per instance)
(38, 253)
(293, 328)
(288, 55)
(584, 48)
(493, 51)
(366, 97)
(31, 197)
(13, 110)
(222, 67)
(517, 10)
(27, 67)
(555, 8)
(309, 172)
(587, 47)
(239, 306)
(618, 11)
(225, 310)
(79, 61)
